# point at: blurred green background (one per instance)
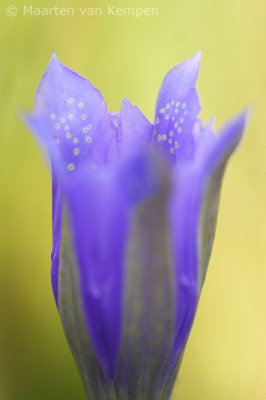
(124, 56)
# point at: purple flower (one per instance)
(134, 216)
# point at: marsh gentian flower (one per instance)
(134, 216)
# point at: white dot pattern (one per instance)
(170, 126)
(72, 137)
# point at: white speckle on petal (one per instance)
(57, 126)
(164, 137)
(75, 140)
(176, 145)
(177, 104)
(88, 139)
(172, 150)
(70, 116)
(171, 133)
(85, 130)
(159, 138)
(62, 120)
(70, 167)
(70, 100)
(83, 117)
(68, 135)
(52, 116)
(81, 105)
(167, 116)
(157, 121)
(76, 151)
(176, 124)
(181, 120)
(67, 127)
(170, 141)
(184, 105)
(176, 110)
(168, 106)
(179, 130)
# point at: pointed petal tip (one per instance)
(126, 105)
(242, 118)
(189, 68)
(197, 57)
(232, 132)
(54, 58)
(22, 114)
(248, 112)
(125, 101)
(194, 61)
(54, 61)
(26, 117)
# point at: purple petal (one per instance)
(135, 130)
(176, 111)
(77, 115)
(213, 167)
(149, 292)
(70, 114)
(193, 214)
(110, 214)
(98, 224)
(73, 320)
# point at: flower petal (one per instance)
(176, 110)
(77, 115)
(148, 301)
(193, 211)
(74, 323)
(213, 167)
(111, 214)
(135, 130)
(99, 204)
(71, 114)
(98, 225)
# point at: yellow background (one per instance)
(123, 56)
